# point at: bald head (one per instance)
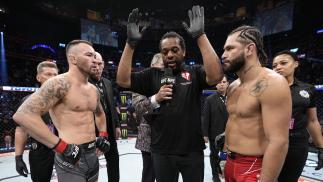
(97, 73)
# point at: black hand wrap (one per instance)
(219, 141)
(70, 152)
(102, 142)
(21, 167)
(319, 159)
(133, 32)
(196, 16)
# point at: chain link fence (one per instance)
(10, 98)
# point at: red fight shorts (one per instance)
(240, 168)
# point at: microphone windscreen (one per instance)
(168, 72)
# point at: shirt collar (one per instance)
(296, 82)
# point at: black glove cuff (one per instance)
(197, 35)
(18, 157)
(132, 43)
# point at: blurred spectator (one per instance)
(7, 129)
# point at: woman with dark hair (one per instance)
(304, 120)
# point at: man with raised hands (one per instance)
(176, 137)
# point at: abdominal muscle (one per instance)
(246, 136)
(75, 127)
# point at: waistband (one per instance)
(233, 155)
(88, 146)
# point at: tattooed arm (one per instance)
(29, 113)
(275, 100)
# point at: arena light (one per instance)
(19, 89)
(319, 87)
(3, 64)
(294, 50)
(301, 56)
(319, 31)
(192, 62)
(61, 45)
(3, 10)
(43, 46)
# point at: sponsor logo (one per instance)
(76, 151)
(304, 94)
(186, 75)
(91, 145)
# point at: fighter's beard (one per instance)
(236, 65)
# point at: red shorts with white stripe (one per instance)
(240, 168)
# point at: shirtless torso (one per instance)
(73, 113)
(245, 126)
(259, 107)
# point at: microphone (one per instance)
(168, 79)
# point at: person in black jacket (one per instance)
(105, 87)
(303, 122)
(41, 158)
(214, 119)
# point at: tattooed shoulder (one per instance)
(55, 88)
(259, 87)
(50, 93)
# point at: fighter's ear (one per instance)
(71, 58)
(250, 48)
(38, 78)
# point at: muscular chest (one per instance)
(241, 103)
(82, 99)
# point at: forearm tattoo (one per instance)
(50, 93)
(257, 89)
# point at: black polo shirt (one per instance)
(303, 98)
(177, 127)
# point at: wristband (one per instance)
(103, 133)
(60, 146)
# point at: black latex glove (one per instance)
(196, 16)
(319, 159)
(103, 144)
(219, 141)
(133, 32)
(21, 167)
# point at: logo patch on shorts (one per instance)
(91, 145)
(34, 145)
(304, 94)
